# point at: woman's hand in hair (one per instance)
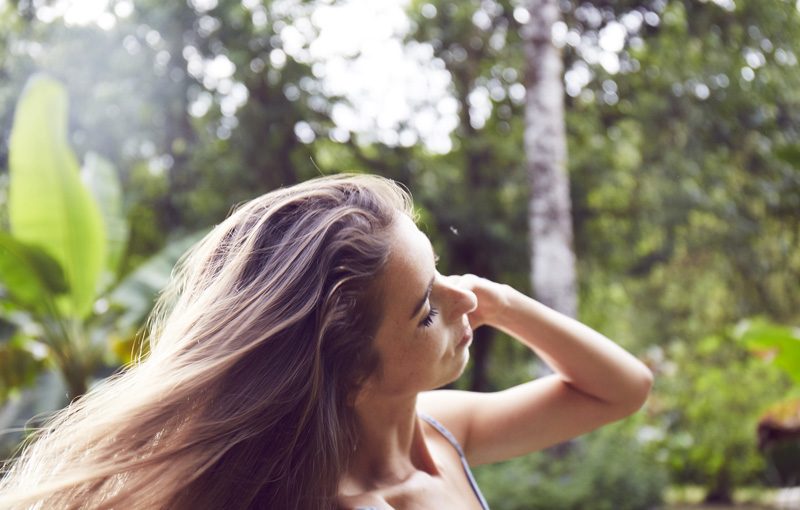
(493, 299)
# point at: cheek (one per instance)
(412, 353)
(418, 353)
(431, 342)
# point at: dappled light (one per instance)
(633, 164)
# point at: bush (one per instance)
(605, 470)
(710, 410)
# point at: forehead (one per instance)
(409, 267)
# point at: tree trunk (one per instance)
(549, 211)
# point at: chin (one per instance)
(461, 367)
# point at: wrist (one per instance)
(503, 305)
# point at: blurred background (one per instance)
(129, 128)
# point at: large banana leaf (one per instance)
(49, 206)
(101, 178)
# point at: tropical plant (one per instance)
(709, 408)
(778, 344)
(63, 304)
(779, 425)
(57, 252)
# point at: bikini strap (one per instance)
(446, 433)
(452, 440)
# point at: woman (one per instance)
(291, 366)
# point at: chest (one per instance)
(420, 492)
(448, 488)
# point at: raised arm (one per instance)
(595, 381)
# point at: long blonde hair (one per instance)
(257, 348)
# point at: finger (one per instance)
(466, 281)
(457, 281)
(474, 321)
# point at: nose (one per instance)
(460, 300)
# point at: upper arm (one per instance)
(492, 427)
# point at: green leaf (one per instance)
(49, 206)
(136, 293)
(18, 366)
(789, 153)
(101, 178)
(29, 274)
(779, 343)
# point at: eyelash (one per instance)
(428, 320)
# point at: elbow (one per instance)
(638, 385)
(631, 393)
(641, 386)
(647, 381)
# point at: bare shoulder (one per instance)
(451, 408)
(497, 426)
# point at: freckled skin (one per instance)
(415, 357)
(399, 461)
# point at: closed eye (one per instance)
(428, 320)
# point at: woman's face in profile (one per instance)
(423, 335)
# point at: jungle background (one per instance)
(145, 122)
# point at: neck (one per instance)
(391, 445)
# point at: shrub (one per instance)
(605, 470)
(711, 405)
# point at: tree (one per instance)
(475, 194)
(549, 209)
(684, 187)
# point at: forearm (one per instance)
(585, 359)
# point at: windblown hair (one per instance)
(257, 349)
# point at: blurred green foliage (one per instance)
(56, 252)
(780, 345)
(779, 424)
(685, 182)
(609, 470)
(708, 406)
(64, 306)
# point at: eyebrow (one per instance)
(422, 301)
